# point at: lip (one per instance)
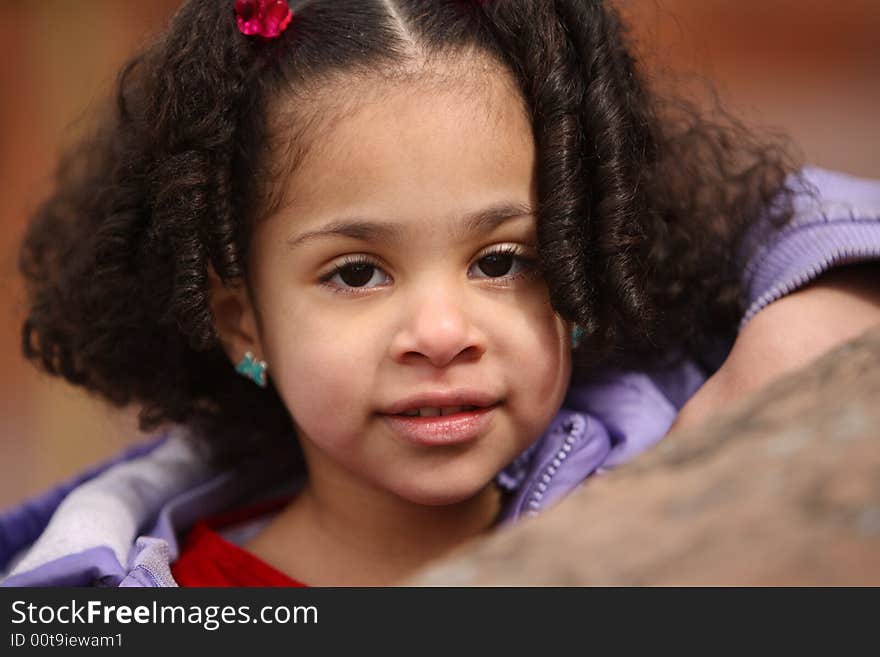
(460, 397)
(439, 430)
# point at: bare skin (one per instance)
(347, 547)
(788, 334)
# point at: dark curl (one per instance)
(642, 205)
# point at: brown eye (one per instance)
(357, 275)
(507, 262)
(496, 264)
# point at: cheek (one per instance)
(544, 345)
(318, 369)
(542, 369)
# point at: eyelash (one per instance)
(529, 265)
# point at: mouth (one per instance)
(434, 426)
(428, 411)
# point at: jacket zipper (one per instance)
(571, 427)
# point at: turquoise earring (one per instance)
(576, 334)
(253, 369)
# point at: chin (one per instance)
(443, 494)
(438, 499)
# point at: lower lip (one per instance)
(442, 429)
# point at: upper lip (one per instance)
(442, 400)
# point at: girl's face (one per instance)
(402, 263)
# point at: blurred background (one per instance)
(810, 68)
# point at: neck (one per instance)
(387, 523)
(336, 533)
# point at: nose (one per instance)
(437, 326)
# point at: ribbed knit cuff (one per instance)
(803, 253)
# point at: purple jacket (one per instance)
(118, 524)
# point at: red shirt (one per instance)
(208, 559)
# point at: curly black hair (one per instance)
(643, 203)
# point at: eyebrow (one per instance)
(483, 221)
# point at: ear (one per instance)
(234, 317)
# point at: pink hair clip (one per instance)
(265, 18)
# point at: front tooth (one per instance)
(429, 411)
(454, 409)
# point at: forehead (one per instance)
(423, 148)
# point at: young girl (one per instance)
(392, 272)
